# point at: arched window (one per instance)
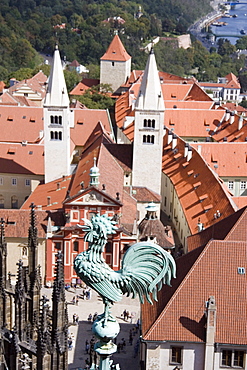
(148, 138)
(1, 201)
(14, 202)
(56, 119)
(56, 135)
(60, 135)
(149, 123)
(52, 135)
(144, 139)
(153, 123)
(145, 123)
(60, 120)
(152, 139)
(52, 119)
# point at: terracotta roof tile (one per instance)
(49, 196)
(86, 120)
(184, 181)
(220, 230)
(84, 85)
(226, 159)
(20, 117)
(18, 222)
(202, 273)
(116, 51)
(22, 158)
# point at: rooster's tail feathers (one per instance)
(145, 268)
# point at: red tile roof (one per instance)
(85, 122)
(226, 159)
(22, 158)
(179, 314)
(18, 222)
(49, 196)
(84, 85)
(28, 120)
(116, 51)
(184, 175)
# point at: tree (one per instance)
(23, 54)
(23, 74)
(97, 97)
(225, 47)
(71, 78)
(241, 43)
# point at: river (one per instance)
(236, 26)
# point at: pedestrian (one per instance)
(77, 300)
(130, 337)
(95, 316)
(73, 300)
(74, 318)
(89, 319)
(118, 347)
(87, 363)
(127, 315)
(87, 346)
(124, 315)
(77, 319)
(70, 343)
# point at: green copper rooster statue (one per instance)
(145, 267)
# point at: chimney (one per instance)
(186, 148)
(189, 155)
(240, 122)
(210, 314)
(227, 115)
(231, 118)
(170, 136)
(174, 141)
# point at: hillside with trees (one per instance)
(84, 28)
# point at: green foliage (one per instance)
(243, 103)
(225, 47)
(97, 97)
(243, 80)
(72, 78)
(22, 74)
(28, 27)
(242, 43)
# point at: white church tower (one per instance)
(56, 123)
(148, 134)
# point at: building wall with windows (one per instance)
(168, 355)
(15, 188)
(237, 186)
(190, 356)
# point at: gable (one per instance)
(92, 197)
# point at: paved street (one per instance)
(82, 332)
